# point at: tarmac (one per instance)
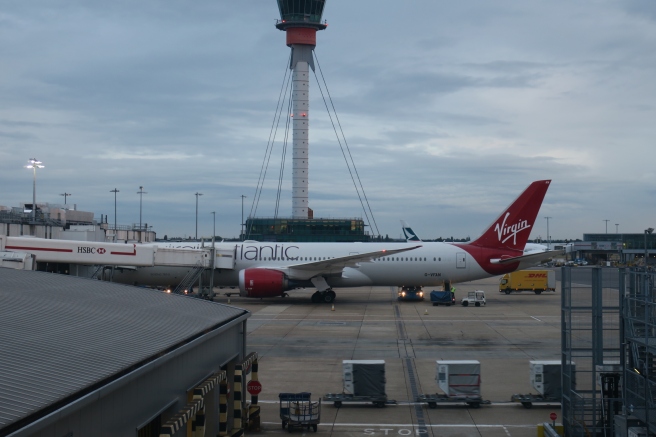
(301, 346)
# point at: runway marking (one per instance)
(536, 318)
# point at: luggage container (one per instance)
(442, 297)
(545, 377)
(364, 381)
(460, 381)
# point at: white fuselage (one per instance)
(429, 265)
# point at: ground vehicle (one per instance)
(528, 280)
(411, 293)
(476, 298)
(442, 298)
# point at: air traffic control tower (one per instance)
(300, 19)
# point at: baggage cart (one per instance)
(545, 377)
(298, 411)
(343, 398)
(446, 298)
(460, 381)
(473, 401)
(528, 400)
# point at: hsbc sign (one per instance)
(93, 250)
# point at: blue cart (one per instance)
(298, 411)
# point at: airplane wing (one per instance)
(334, 266)
(531, 257)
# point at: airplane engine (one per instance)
(262, 283)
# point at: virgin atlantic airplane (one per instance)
(262, 269)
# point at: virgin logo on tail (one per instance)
(510, 231)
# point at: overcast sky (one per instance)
(450, 110)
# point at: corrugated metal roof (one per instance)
(60, 334)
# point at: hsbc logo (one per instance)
(93, 250)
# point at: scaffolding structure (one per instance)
(591, 350)
(639, 314)
(608, 352)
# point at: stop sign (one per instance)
(254, 387)
(553, 416)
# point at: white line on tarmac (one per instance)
(414, 425)
(536, 318)
(412, 403)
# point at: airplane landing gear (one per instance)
(323, 293)
(327, 296)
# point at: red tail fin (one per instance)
(513, 227)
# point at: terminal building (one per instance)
(83, 357)
(66, 222)
(599, 249)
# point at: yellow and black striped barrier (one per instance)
(194, 411)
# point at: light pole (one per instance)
(242, 217)
(214, 225)
(197, 194)
(548, 236)
(115, 190)
(141, 192)
(34, 164)
(606, 225)
(65, 194)
(647, 231)
(617, 228)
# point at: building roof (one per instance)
(62, 336)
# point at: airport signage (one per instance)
(254, 387)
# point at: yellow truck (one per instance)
(528, 280)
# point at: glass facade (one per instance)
(301, 10)
(300, 230)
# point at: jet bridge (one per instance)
(114, 254)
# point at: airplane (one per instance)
(264, 269)
(411, 235)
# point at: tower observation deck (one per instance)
(300, 19)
